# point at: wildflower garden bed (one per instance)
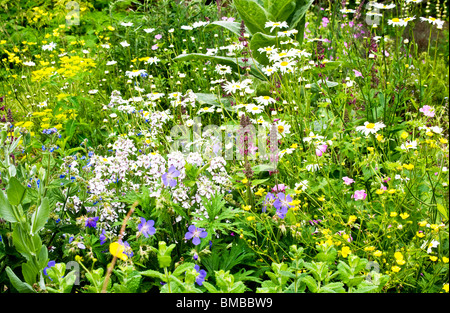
(224, 146)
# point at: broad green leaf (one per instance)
(17, 283)
(301, 8)
(6, 210)
(210, 287)
(281, 9)
(40, 216)
(16, 191)
(253, 14)
(182, 268)
(311, 283)
(234, 27)
(260, 40)
(155, 274)
(29, 273)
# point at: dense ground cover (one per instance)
(247, 145)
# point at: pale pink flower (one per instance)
(359, 195)
(347, 180)
(427, 110)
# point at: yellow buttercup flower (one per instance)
(378, 253)
(345, 251)
(396, 268)
(260, 192)
(433, 258)
(404, 215)
(445, 287)
(408, 166)
(117, 249)
(445, 259)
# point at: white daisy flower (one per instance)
(273, 25)
(223, 69)
(409, 145)
(370, 128)
(124, 44)
(265, 100)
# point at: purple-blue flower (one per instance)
(146, 227)
(92, 222)
(102, 237)
(195, 234)
(268, 201)
(282, 204)
(201, 277)
(169, 177)
(50, 264)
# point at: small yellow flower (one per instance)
(433, 258)
(245, 181)
(445, 287)
(370, 149)
(345, 251)
(378, 253)
(379, 191)
(445, 259)
(379, 137)
(246, 207)
(111, 28)
(371, 248)
(260, 192)
(352, 219)
(404, 135)
(443, 140)
(393, 214)
(423, 223)
(117, 249)
(391, 191)
(420, 235)
(404, 215)
(408, 166)
(294, 146)
(396, 268)
(78, 258)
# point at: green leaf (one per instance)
(182, 268)
(260, 40)
(6, 210)
(40, 216)
(297, 19)
(442, 210)
(71, 126)
(253, 14)
(29, 273)
(234, 27)
(17, 283)
(16, 191)
(210, 287)
(311, 283)
(281, 9)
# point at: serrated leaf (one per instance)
(311, 283)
